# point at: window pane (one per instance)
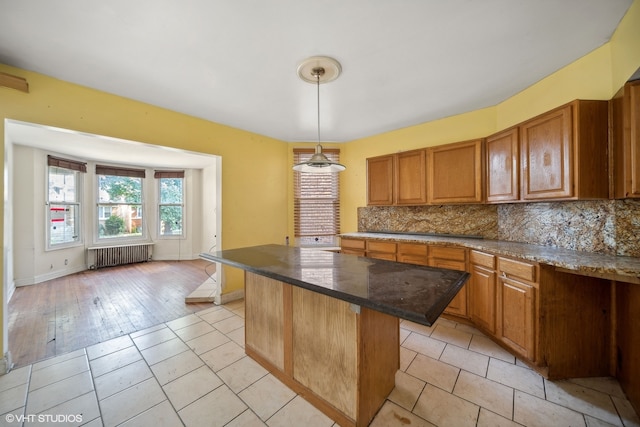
(62, 184)
(119, 189)
(63, 224)
(170, 220)
(120, 221)
(171, 190)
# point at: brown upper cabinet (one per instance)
(380, 180)
(625, 135)
(455, 173)
(410, 178)
(397, 179)
(503, 166)
(559, 155)
(563, 153)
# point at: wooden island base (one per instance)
(340, 357)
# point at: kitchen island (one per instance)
(327, 324)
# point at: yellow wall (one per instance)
(254, 167)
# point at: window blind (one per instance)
(119, 171)
(316, 198)
(168, 174)
(67, 164)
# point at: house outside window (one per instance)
(63, 202)
(316, 202)
(170, 203)
(120, 200)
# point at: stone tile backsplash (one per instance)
(602, 226)
(477, 220)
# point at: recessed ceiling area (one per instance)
(103, 149)
(234, 62)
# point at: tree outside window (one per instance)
(171, 202)
(119, 202)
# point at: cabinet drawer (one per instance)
(445, 252)
(485, 260)
(352, 243)
(412, 249)
(387, 247)
(349, 251)
(413, 259)
(382, 255)
(522, 270)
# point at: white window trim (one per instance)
(183, 205)
(80, 226)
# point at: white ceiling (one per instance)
(234, 62)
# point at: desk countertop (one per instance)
(407, 291)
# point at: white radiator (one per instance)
(109, 256)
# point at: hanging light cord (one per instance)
(318, 73)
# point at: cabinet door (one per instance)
(546, 157)
(503, 166)
(482, 297)
(634, 136)
(455, 173)
(632, 139)
(516, 311)
(380, 180)
(410, 178)
(458, 305)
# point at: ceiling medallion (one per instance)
(316, 70)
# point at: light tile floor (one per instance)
(193, 372)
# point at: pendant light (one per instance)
(319, 69)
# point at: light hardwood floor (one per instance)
(93, 306)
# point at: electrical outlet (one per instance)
(66, 261)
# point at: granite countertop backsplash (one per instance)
(591, 237)
(586, 263)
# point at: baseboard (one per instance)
(6, 363)
(48, 276)
(227, 298)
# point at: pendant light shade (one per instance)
(319, 69)
(319, 163)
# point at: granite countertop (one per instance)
(586, 263)
(407, 291)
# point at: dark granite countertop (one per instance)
(586, 263)
(407, 291)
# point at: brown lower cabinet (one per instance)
(557, 322)
(453, 258)
(516, 306)
(482, 290)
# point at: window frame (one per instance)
(103, 170)
(302, 237)
(78, 168)
(159, 175)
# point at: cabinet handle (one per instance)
(504, 274)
